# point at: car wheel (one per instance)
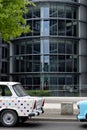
(8, 118)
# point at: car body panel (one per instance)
(23, 105)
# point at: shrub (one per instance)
(38, 92)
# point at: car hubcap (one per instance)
(8, 118)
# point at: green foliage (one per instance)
(38, 92)
(12, 23)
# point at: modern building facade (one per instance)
(4, 61)
(53, 56)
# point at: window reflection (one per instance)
(68, 28)
(44, 12)
(45, 28)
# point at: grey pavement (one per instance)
(60, 108)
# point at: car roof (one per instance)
(9, 83)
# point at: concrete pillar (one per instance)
(66, 108)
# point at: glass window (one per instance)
(29, 47)
(36, 83)
(36, 67)
(29, 22)
(61, 11)
(4, 68)
(62, 66)
(16, 62)
(68, 27)
(22, 64)
(36, 12)
(61, 47)
(69, 47)
(53, 27)
(46, 46)
(68, 12)
(75, 48)
(53, 47)
(28, 83)
(61, 57)
(44, 12)
(69, 66)
(36, 27)
(61, 80)
(19, 90)
(45, 28)
(75, 68)
(5, 52)
(5, 91)
(69, 80)
(29, 13)
(29, 63)
(61, 27)
(16, 49)
(53, 63)
(36, 48)
(22, 48)
(75, 30)
(74, 13)
(53, 11)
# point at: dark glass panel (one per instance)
(36, 27)
(62, 66)
(61, 80)
(29, 47)
(68, 12)
(36, 48)
(53, 10)
(53, 63)
(16, 60)
(75, 30)
(68, 27)
(29, 13)
(61, 57)
(22, 64)
(36, 67)
(53, 27)
(61, 27)
(61, 47)
(16, 48)
(36, 83)
(53, 47)
(69, 66)
(29, 63)
(61, 11)
(36, 12)
(69, 80)
(69, 47)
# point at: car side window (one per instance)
(5, 91)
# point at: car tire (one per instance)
(9, 118)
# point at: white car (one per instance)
(16, 105)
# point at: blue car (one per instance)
(82, 110)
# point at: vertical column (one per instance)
(11, 64)
(44, 44)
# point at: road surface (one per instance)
(48, 125)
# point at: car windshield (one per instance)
(19, 90)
